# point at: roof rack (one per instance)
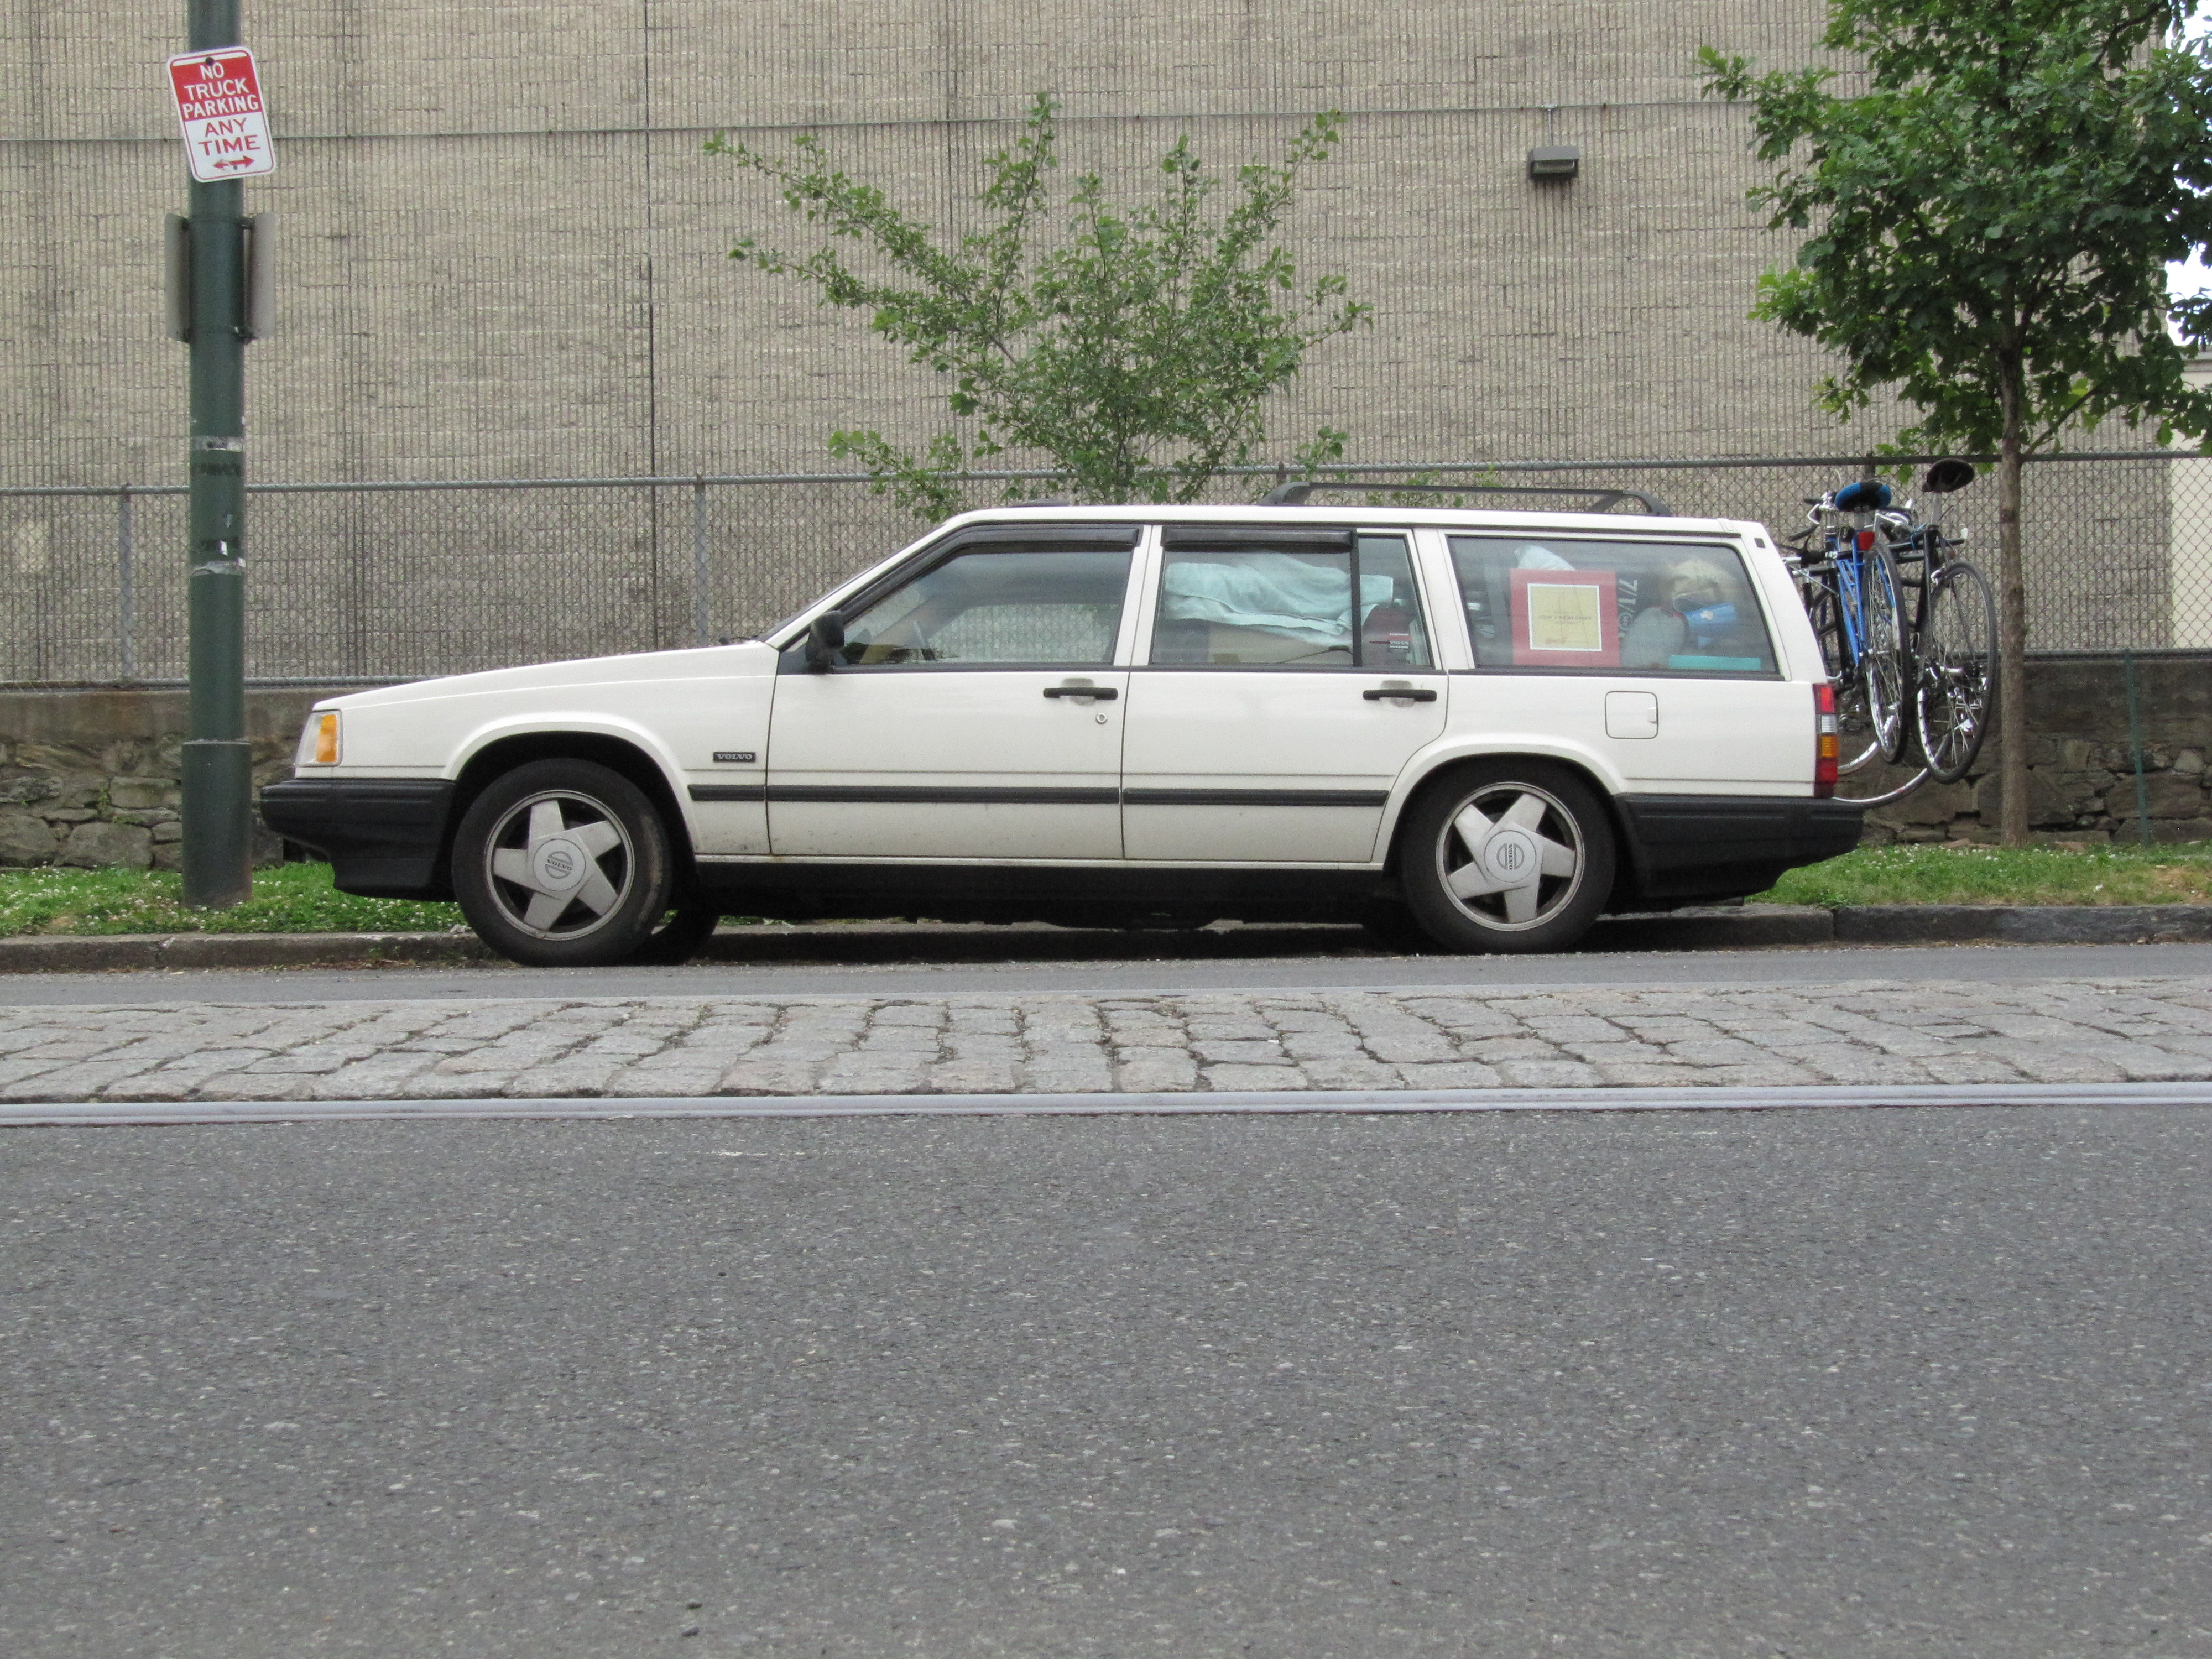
(1602, 500)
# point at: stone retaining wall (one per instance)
(2081, 769)
(89, 776)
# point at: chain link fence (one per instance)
(400, 580)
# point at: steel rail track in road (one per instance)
(1348, 1101)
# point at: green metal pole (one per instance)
(218, 761)
(2136, 747)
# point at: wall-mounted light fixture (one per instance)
(1554, 162)
(1552, 159)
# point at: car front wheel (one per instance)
(1507, 856)
(690, 922)
(564, 864)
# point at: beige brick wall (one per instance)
(503, 255)
(503, 250)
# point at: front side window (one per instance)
(1247, 599)
(1642, 607)
(1046, 607)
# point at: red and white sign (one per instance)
(219, 106)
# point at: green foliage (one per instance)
(1989, 221)
(1135, 350)
(290, 899)
(1990, 217)
(1424, 495)
(2118, 874)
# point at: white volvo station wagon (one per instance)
(1490, 727)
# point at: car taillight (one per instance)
(1824, 740)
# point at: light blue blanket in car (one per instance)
(1272, 590)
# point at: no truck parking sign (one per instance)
(219, 106)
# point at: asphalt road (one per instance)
(1848, 1383)
(1354, 969)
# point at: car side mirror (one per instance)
(825, 638)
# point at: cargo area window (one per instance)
(1564, 605)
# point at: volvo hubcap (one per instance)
(1512, 856)
(559, 864)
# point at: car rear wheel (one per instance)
(564, 864)
(1512, 856)
(1391, 927)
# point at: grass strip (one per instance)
(298, 898)
(288, 898)
(2062, 873)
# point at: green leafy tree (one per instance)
(1135, 351)
(1990, 218)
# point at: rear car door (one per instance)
(1273, 714)
(974, 711)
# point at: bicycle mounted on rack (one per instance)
(1907, 629)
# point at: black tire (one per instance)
(1824, 609)
(1886, 659)
(1956, 682)
(678, 939)
(1391, 927)
(564, 864)
(1565, 840)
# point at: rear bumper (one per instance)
(1683, 847)
(384, 837)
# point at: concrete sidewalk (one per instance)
(1869, 1033)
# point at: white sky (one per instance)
(2182, 281)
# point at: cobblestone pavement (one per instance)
(1869, 1032)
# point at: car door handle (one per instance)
(1103, 693)
(1409, 693)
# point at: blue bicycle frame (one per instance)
(1841, 552)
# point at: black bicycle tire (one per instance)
(1958, 574)
(1824, 609)
(1878, 573)
(1822, 595)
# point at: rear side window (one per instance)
(1610, 607)
(1238, 598)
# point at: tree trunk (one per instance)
(2012, 626)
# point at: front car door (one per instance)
(1274, 713)
(974, 711)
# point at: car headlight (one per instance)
(318, 740)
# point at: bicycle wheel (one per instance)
(1824, 609)
(1885, 666)
(1955, 671)
(1883, 797)
(1826, 612)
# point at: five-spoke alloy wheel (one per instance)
(563, 863)
(1507, 856)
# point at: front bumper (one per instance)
(384, 837)
(1685, 846)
